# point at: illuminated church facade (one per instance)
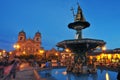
(27, 46)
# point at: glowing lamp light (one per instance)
(67, 50)
(4, 51)
(109, 56)
(41, 51)
(16, 46)
(104, 48)
(70, 54)
(10, 53)
(56, 54)
(0, 53)
(24, 52)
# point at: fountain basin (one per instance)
(61, 74)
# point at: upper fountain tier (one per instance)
(79, 21)
(80, 45)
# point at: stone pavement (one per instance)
(25, 75)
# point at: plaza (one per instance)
(80, 58)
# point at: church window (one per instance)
(37, 50)
(21, 38)
(37, 45)
(37, 39)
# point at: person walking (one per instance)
(1, 69)
(118, 75)
(12, 72)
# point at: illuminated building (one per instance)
(107, 57)
(27, 46)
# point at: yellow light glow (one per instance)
(16, 46)
(4, 51)
(10, 53)
(107, 76)
(56, 54)
(98, 57)
(70, 55)
(109, 56)
(104, 48)
(0, 53)
(41, 51)
(67, 50)
(91, 57)
(102, 55)
(119, 56)
(24, 52)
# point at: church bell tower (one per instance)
(21, 36)
(37, 37)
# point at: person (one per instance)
(1, 69)
(12, 73)
(118, 75)
(46, 64)
(13, 70)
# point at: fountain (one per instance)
(80, 45)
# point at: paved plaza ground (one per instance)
(25, 73)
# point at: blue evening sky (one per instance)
(51, 17)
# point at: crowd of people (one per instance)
(8, 68)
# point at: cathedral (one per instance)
(27, 46)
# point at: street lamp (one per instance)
(4, 53)
(67, 50)
(41, 51)
(16, 46)
(104, 48)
